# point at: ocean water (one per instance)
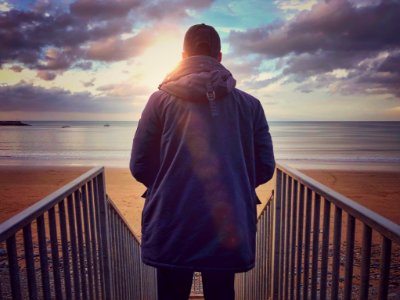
(355, 145)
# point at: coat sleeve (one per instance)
(264, 153)
(145, 154)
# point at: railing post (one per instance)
(104, 245)
(276, 240)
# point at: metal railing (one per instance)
(314, 243)
(132, 279)
(73, 244)
(256, 284)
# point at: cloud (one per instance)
(55, 36)
(103, 10)
(179, 9)
(295, 5)
(41, 41)
(84, 65)
(46, 75)
(122, 90)
(240, 69)
(115, 48)
(16, 68)
(57, 58)
(118, 90)
(89, 83)
(25, 97)
(329, 26)
(333, 35)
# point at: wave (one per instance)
(100, 156)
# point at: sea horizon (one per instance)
(370, 145)
(269, 121)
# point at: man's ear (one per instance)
(219, 57)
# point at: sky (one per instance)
(305, 60)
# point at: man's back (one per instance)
(204, 159)
(201, 148)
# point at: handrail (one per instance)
(126, 224)
(84, 246)
(256, 284)
(101, 253)
(10, 226)
(313, 242)
(131, 278)
(369, 217)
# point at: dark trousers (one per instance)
(175, 284)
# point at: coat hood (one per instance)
(196, 76)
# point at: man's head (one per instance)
(202, 39)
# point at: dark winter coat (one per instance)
(201, 160)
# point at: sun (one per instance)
(160, 59)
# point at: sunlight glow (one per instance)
(158, 60)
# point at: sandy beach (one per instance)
(377, 190)
(22, 186)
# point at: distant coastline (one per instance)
(310, 145)
(13, 123)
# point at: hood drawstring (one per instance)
(210, 94)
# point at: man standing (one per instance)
(201, 148)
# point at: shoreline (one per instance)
(123, 163)
(387, 167)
